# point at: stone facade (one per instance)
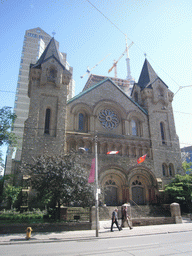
(44, 130)
(142, 123)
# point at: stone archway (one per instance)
(142, 187)
(112, 182)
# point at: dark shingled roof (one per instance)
(147, 76)
(50, 51)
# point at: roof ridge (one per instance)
(44, 54)
(103, 81)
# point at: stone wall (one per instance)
(44, 227)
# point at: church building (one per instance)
(136, 124)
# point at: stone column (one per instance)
(176, 212)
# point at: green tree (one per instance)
(61, 180)
(180, 191)
(10, 194)
(7, 119)
(187, 167)
(7, 136)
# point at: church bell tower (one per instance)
(49, 80)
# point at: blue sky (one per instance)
(160, 28)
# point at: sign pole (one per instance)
(96, 188)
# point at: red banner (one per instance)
(92, 172)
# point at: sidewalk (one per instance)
(104, 232)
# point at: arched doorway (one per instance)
(138, 195)
(110, 193)
(141, 182)
(112, 181)
(137, 192)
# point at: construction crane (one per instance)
(89, 70)
(116, 61)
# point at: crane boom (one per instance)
(89, 70)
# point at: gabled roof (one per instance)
(95, 79)
(147, 76)
(50, 51)
(97, 85)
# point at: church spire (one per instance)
(147, 75)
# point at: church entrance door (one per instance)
(111, 195)
(138, 195)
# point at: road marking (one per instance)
(130, 246)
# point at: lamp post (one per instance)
(96, 188)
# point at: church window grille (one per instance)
(110, 183)
(108, 119)
(47, 121)
(134, 128)
(136, 183)
(162, 128)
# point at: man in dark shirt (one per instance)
(125, 217)
(115, 220)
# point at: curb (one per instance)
(52, 240)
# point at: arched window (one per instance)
(136, 96)
(171, 170)
(164, 169)
(162, 128)
(52, 74)
(81, 121)
(47, 120)
(161, 93)
(134, 128)
(140, 150)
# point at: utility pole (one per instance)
(96, 189)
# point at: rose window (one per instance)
(108, 119)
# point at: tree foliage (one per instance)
(180, 190)
(60, 179)
(10, 194)
(187, 167)
(7, 119)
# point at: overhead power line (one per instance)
(180, 87)
(123, 136)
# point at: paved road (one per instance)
(143, 245)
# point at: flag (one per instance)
(112, 152)
(141, 159)
(92, 172)
(85, 149)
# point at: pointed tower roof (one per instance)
(50, 51)
(147, 76)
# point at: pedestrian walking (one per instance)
(115, 220)
(125, 217)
